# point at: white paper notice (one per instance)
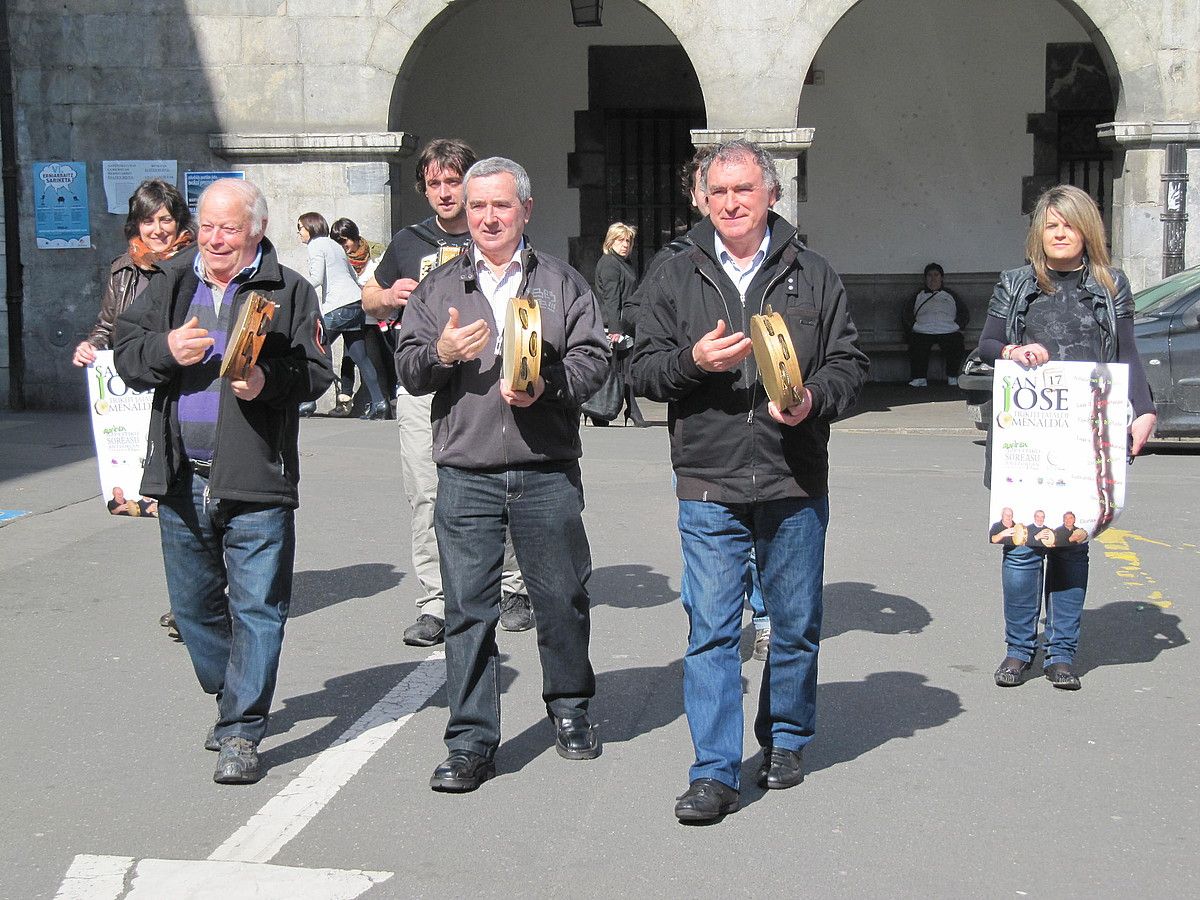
(122, 176)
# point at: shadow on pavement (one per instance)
(630, 587)
(856, 717)
(856, 606)
(318, 589)
(883, 396)
(1125, 633)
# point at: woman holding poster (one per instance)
(1067, 304)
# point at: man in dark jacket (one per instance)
(414, 252)
(749, 475)
(222, 455)
(506, 456)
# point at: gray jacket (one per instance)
(473, 427)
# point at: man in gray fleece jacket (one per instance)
(506, 457)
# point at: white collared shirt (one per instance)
(741, 278)
(499, 291)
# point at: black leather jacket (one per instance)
(1017, 289)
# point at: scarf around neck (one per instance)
(145, 258)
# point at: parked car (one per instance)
(1167, 326)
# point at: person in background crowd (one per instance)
(342, 314)
(227, 497)
(414, 252)
(749, 475)
(934, 317)
(1067, 303)
(364, 257)
(615, 281)
(157, 228)
(507, 457)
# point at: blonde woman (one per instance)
(615, 282)
(1068, 303)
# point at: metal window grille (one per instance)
(644, 151)
(1082, 160)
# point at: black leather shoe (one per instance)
(238, 762)
(425, 632)
(308, 408)
(706, 800)
(376, 411)
(576, 738)
(1061, 676)
(342, 409)
(1011, 672)
(781, 769)
(463, 771)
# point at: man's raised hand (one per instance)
(189, 342)
(461, 344)
(718, 352)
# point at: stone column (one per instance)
(334, 174)
(1140, 196)
(786, 145)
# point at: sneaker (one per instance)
(953, 382)
(237, 762)
(919, 382)
(516, 613)
(762, 643)
(425, 632)
(342, 408)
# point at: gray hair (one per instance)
(738, 151)
(498, 165)
(246, 191)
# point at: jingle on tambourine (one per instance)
(776, 358)
(522, 344)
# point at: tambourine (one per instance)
(1020, 534)
(246, 339)
(522, 344)
(776, 357)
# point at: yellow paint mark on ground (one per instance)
(1116, 544)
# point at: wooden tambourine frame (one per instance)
(776, 358)
(522, 344)
(246, 339)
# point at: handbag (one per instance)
(345, 318)
(606, 403)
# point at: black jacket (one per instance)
(1018, 287)
(615, 282)
(473, 426)
(255, 458)
(724, 444)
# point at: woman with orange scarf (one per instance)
(157, 229)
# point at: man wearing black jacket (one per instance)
(749, 475)
(222, 456)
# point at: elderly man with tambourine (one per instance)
(509, 341)
(749, 439)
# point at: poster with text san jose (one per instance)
(1058, 451)
(120, 423)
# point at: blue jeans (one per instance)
(234, 641)
(788, 539)
(1066, 578)
(542, 508)
(754, 595)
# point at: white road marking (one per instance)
(291, 809)
(238, 868)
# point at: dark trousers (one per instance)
(542, 508)
(919, 346)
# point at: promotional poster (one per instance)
(1059, 438)
(120, 423)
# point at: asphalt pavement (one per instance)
(924, 780)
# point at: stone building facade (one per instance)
(906, 132)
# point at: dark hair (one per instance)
(445, 153)
(343, 230)
(687, 174)
(315, 223)
(934, 267)
(150, 196)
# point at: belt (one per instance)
(202, 467)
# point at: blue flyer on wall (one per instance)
(61, 205)
(194, 184)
